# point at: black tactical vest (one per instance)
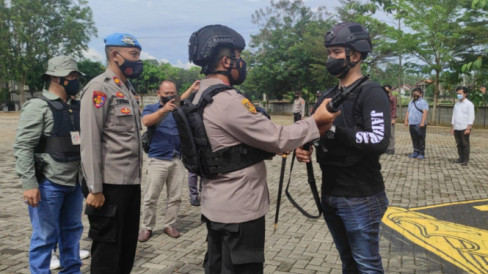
(196, 152)
(66, 118)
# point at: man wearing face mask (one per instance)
(111, 154)
(47, 152)
(353, 190)
(462, 122)
(235, 200)
(416, 120)
(164, 167)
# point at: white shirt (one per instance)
(463, 115)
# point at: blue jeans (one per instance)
(355, 226)
(56, 219)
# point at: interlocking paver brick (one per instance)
(299, 245)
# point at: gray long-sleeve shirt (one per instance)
(36, 119)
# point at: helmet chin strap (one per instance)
(229, 70)
(349, 64)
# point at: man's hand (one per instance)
(467, 131)
(393, 121)
(32, 197)
(168, 107)
(323, 118)
(95, 200)
(304, 156)
(406, 123)
(195, 86)
(422, 124)
(452, 131)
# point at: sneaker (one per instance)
(464, 164)
(413, 155)
(390, 152)
(55, 263)
(458, 161)
(84, 254)
(421, 157)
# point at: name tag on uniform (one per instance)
(75, 138)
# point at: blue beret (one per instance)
(122, 40)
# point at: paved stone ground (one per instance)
(299, 245)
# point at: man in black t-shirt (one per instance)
(353, 190)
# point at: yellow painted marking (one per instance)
(464, 246)
(481, 208)
(449, 204)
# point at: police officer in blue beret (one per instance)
(111, 156)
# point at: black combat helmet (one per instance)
(203, 42)
(349, 34)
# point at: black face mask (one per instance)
(337, 67)
(416, 97)
(165, 99)
(70, 86)
(241, 67)
(131, 69)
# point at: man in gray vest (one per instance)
(47, 152)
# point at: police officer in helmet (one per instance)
(353, 190)
(235, 200)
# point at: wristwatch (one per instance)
(331, 132)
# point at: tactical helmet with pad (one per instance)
(349, 34)
(203, 42)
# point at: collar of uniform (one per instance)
(109, 75)
(205, 83)
(53, 97)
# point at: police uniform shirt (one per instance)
(242, 195)
(110, 139)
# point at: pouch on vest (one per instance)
(196, 152)
(66, 118)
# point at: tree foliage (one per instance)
(40, 29)
(279, 63)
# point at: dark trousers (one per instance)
(297, 117)
(235, 248)
(417, 134)
(462, 142)
(114, 229)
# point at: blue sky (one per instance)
(163, 27)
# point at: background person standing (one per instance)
(47, 153)
(164, 167)
(416, 120)
(298, 107)
(393, 116)
(462, 122)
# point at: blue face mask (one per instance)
(460, 97)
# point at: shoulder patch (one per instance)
(248, 105)
(119, 94)
(99, 98)
(117, 81)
